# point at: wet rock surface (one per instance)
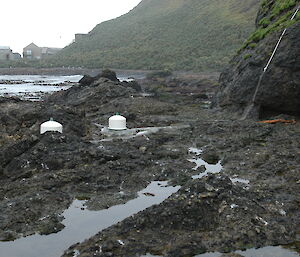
(41, 175)
(205, 216)
(212, 213)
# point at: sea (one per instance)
(35, 87)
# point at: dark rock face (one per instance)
(133, 84)
(279, 91)
(100, 91)
(108, 74)
(86, 80)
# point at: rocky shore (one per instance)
(252, 202)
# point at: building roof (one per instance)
(31, 45)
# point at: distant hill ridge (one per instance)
(166, 34)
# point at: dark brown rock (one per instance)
(279, 91)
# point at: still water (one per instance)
(269, 251)
(81, 224)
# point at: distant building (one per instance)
(17, 56)
(33, 52)
(6, 53)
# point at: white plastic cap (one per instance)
(117, 122)
(51, 126)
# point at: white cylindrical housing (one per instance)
(51, 126)
(117, 122)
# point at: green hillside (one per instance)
(166, 34)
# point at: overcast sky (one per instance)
(54, 23)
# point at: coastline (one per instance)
(60, 71)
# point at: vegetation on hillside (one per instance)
(17, 63)
(275, 16)
(170, 34)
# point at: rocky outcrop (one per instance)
(57, 168)
(89, 98)
(88, 80)
(279, 90)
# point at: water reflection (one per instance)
(209, 168)
(269, 251)
(81, 224)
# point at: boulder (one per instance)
(88, 80)
(132, 84)
(279, 90)
(109, 74)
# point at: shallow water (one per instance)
(150, 255)
(32, 87)
(209, 168)
(82, 224)
(269, 251)
(41, 78)
(240, 180)
(18, 89)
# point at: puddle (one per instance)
(146, 94)
(82, 224)
(209, 168)
(150, 255)
(195, 151)
(269, 251)
(141, 95)
(240, 180)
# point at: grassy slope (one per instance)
(274, 15)
(167, 34)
